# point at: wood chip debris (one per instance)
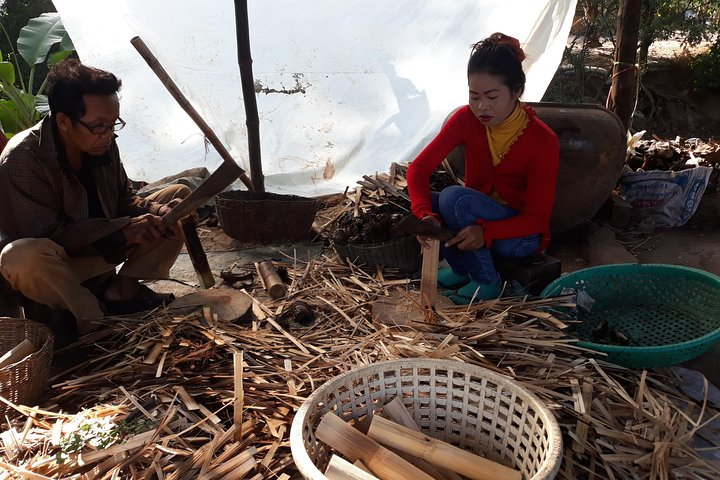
(175, 396)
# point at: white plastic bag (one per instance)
(663, 199)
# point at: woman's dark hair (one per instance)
(501, 55)
(69, 80)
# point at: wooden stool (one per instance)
(534, 272)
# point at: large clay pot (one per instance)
(592, 155)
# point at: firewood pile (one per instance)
(370, 211)
(674, 155)
(181, 394)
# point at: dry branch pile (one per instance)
(674, 155)
(181, 396)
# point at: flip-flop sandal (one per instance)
(145, 299)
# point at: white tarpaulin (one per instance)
(344, 87)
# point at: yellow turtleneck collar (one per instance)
(503, 135)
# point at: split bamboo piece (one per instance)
(239, 399)
(341, 469)
(270, 279)
(400, 415)
(428, 281)
(17, 353)
(389, 433)
(386, 465)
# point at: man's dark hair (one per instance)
(69, 80)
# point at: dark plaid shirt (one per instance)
(39, 198)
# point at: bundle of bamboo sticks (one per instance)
(190, 395)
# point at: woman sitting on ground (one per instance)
(511, 166)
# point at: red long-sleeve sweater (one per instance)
(525, 178)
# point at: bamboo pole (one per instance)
(385, 464)
(270, 279)
(185, 104)
(252, 121)
(198, 258)
(400, 415)
(389, 433)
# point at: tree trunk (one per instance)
(623, 90)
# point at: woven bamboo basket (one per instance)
(401, 253)
(24, 381)
(265, 217)
(462, 404)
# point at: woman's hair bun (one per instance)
(502, 39)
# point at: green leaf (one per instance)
(9, 116)
(38, 36)
(7, 72)
(66, 43)
(58, 57)
(42, 105)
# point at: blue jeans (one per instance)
(461, 207)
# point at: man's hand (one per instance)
(469, 238)
(425, 241)
(144, 229)
(165, 209)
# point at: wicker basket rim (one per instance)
(548, 468)
(47, 334)
(392, 241)
(271, 197)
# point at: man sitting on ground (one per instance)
(69, 213)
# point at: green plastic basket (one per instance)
(672, 313)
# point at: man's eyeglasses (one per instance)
(103, 127)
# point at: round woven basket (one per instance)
(23, 382)
(462, 404)
(669, 312)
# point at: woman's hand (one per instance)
(425, 241)
(469, 238)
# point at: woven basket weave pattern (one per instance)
(265, 217)
(402, 254)
(24, 381)
(467, 406)
(670, 312)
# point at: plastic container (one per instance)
(669, 312)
